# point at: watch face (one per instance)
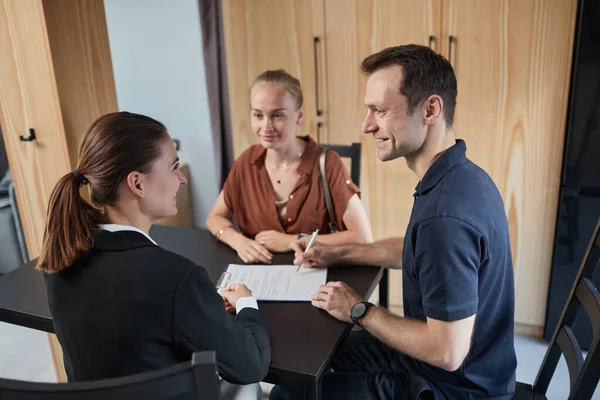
(358, 310)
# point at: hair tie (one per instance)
(80, 178)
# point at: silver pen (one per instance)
(310, 244)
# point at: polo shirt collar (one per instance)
(454, 155)
(311, 152)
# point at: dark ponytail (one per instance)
(115, 145)
(69, 226)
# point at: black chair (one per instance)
(197, 379)
(12, 240)
(353, 152)
(583, 374)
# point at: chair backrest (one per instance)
(583, 374)
(12, 241)
(353, 152)
(10, 258)
(197, 379)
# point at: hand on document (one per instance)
(318, 256)
(274, 282)
(232, 294)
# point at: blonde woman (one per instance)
(274, 191)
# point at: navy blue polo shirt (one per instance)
(456, 263)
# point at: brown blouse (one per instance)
(248, 193)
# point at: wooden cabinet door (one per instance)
(28, 99)
(82, 65)
(512, 60)
(355, 29)
(55, 78)
(269, 34)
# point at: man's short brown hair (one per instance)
(425, 73)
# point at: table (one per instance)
(303, 338)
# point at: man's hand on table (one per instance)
(337, 299)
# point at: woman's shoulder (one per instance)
(315, 148)
(144, 264)
(173, 259)
(171, 268)
(187, 270)
(250, 155)
(242, 166)
(149, 258)
(332, 158)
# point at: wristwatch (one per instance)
(358, 311)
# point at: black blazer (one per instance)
(131, 306)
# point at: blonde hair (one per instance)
(281, 77)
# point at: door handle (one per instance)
(451, 42)
(319, 126)
(29, 138)
(432, 40)
(316, 56)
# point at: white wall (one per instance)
(156, 49)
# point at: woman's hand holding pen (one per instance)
(232, 294)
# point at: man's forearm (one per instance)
(406, 335)
(383, 253)
(341, 238)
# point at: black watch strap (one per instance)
(358, 311)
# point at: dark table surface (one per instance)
(303, 338)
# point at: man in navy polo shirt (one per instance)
(456, 337)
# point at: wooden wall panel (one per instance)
(512, 59)
(55, 77)
(57, 358)
(262, 35)
(83, 68)
(28, 99)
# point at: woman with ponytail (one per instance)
(120, 303)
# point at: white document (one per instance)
(276, 282)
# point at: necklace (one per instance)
(284, 167)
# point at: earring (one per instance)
(142, 193)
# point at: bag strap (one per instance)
(333, 226)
